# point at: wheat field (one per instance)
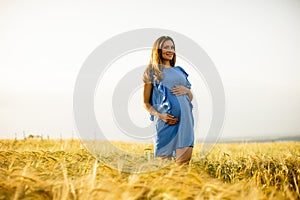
(64, 169)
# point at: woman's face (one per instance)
(168, 50)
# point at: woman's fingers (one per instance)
(172, 120)
(169, 119)
(179, 90)
(178, 93)
(175, 91)
(170, 116)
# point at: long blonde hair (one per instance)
(156, 62)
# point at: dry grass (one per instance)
(63, 169)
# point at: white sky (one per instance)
(255, 46)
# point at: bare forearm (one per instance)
(151, 110)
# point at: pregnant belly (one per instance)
(179, 103)
(175, 106)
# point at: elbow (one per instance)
(190, 95)
(146, 105)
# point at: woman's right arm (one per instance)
(146, 100)
(167, 118)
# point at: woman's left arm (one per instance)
(180, 90)
(190, 94)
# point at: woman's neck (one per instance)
(167, 63)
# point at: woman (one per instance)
(167, 97)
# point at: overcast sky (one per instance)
(255, 46)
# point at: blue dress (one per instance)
(170, 137)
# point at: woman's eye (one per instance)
(167, 47)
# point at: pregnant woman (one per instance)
(167, 97)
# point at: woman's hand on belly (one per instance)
(169, 119)
(181, 90)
